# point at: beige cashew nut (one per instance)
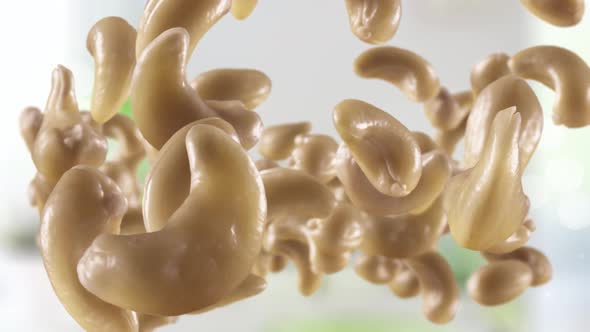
(499, 282)
(374, 21)
(277, 142)
(561, 13)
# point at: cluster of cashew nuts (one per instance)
(210, 223)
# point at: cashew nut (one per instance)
(561, 13)
(384, 148)
(315, 154)
(536, 260)
(377, 270)
(241, 9)
(403, 236)
(499, 282)
(501, 94)
(196, 17)
(515, 241)
(249, 86)
(444, 111)
(425, 142)
(277, 142)
(111, 42)
(163, 101)
(448, 139)
(406, 70)
(436, 171)
(562, 71)
(404, 283)
(374, 21)
(83, 204)
(485, 204)
(488, 70)
(207, 247)
(440, 293)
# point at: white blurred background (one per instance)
(306, 48)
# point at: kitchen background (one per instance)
(306, 48)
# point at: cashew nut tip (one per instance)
(499, 282)
(436, 172)
(111, 42)
(30, 122)
(536, 260)
(403, 236)
(440, 292)
(251, 87)
(406, 70)
(444, 111)
(196, 17)
(561, 13)
(384, 148)
(277, 142)
(84, 204)
(377, 270)
(562, 71)
(374, 21)
(503, 93)
(488, 70)
(207, 247)
(404, 283)
(163, 101)
(485, 204)
(241, 9)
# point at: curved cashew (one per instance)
(288, 240)
(207, 247)
(515, 241)
(163, 101)
(374, 21)
(377, 270)
(562, 13)
(315, 154)
(331, 240)
(536, 260)
(403, 236)
(499, 282)
(408, 71)
(436, 171)
(444, 111)
(440, 293)
(196, 17)
(84, 204)
(168, 183)
(277, 142)
(111, 42)
(448, 139)
(425, 142)
(30, 122)
(241, 9)
(488, 70)
(149, 323)
(404, 283)
(503, 93)
(384, 148)
(486, 204)
(562, 71)
(249, 86)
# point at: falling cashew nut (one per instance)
(374, 21)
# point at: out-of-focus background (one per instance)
(306, 47)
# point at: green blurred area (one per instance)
(372, 324)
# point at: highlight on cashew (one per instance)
(485, 204)
(440, 293)
(384, 148)
(561, 13)
(436, 171)
(499, 282)
(278, 142)
(406, 70)
(241, 9)
(489, 70)
(196, 17)
(163, 101)
(111, 42)
(562, 71)
(249, 86)
(503, 93)
(374, 21)
(211, 240)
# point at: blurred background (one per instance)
(306, 47)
